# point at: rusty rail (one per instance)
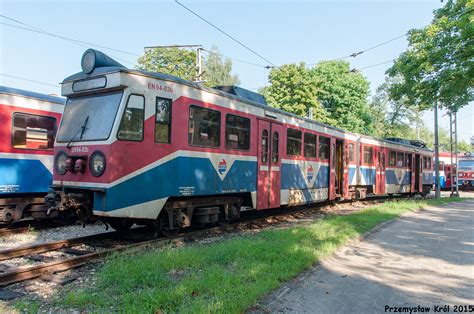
(31, 272)
(51, 246)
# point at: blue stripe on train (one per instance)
(180, 176)
(428, 177)
(292, 179)
(391, 178)
(352, 172)
(369, 175)
(23, 176)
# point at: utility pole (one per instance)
(436, 147)
(456, 149)
(198, 64)
(199, 50)
(453, 137)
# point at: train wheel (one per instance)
(120, 225)
(164, 226)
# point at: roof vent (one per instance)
(416, 143)
(244, 93)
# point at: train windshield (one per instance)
(89, 118)
(466, 164)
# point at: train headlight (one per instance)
(460, 174)
(88, 61)
(97, 164)
(60, 163)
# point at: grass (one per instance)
(229, 275)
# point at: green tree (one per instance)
(438, 64)
(344, 95)
(217, 71)
(293, 88)
(464, 146)
(173, 61)
(398, 115)
(182, 63)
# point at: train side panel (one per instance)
(27, 127)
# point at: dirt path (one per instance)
(425, 258)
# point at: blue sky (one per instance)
(281, 31)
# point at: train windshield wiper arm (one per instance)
(82, 129)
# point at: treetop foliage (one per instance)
(438, 64)
(182, 63)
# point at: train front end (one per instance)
(86, 142)
(466, 172)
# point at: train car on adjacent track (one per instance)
(149, 148)
(28, 123)
(466, 171)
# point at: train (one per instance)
(28, 124)
(447, 171)
(466, 171)
(154, 149)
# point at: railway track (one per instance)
(28, 226)
(81, 257)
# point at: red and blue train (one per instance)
(28, 124)
(149, 148)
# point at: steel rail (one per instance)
(51, 246)
(31, 272)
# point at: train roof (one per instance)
(111, 66)
(30, 94)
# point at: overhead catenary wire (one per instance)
(372, 65)
(64, 37)
(28, 80)
(235, 59)
(355, 54)
(228, 35)
(81, 43)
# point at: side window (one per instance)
(323, 149)
(264, 146)
(351, 152)
(392, 159)
(275, 147)
(368, 155)
(293, 142)
(204, 127)
(310, 145)
(428, 164)
(163, 120)
(32, 131)
(407, 160)
(424, 163)
(399, 159)
(131, 125)
(237, 132)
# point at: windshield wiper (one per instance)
(82, 130)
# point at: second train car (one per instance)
(28, 124)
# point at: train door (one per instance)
(339, 169)
(380, 171)
(269, 163)
(332, 169)
(417, 174)
(413, 177)
(346, 171)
